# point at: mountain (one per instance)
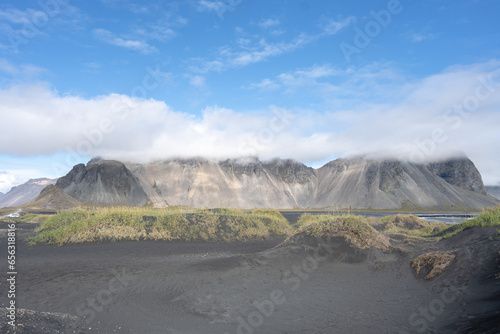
(343, 183)
(247, 183)
(361, 183)
(52, 197)
(493, 191)
(105, 182)
(1, 194)
(241, 183)
(25, 192)
(459, 172)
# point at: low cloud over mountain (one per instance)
(420, 120)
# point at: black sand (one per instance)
(170, 287)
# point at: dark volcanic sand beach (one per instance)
(174, 287)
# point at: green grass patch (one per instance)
(117, 224)
(411, 225)
(31, 218)
(488, 218)
(354, 229)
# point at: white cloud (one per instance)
(8, 67)
(416, 37)
(258, 50)
(155, 32)
(17, 16)
(377, 80)
(22, 71)
(269, 23)
(132, 44)
(266, 84)
(197, 81)
(331, 26)
(416, 120)
(220, 7)
(10, 178)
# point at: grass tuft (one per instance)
(488, 218)
(354, 229)
(126, 223)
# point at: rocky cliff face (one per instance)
(104, 182)
(343, 183)
(461, 173)
(241, 183)
(25, 192)
(361, 183)
(250, 183)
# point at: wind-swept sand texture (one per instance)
(304, 285)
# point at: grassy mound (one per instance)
(411, 225)
(116, 224)
(355, 230)
(489, 218)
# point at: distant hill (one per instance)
(25, 192)
(52, 197)
(493, 191)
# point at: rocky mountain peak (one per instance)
(460, 172)
(103, 182)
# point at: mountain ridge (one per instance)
(25, 192)
(343, 183)
(247, 183)
(104, 182)
(52, 197)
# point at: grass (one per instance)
(354, 229)
(411, 225)
(434, 263)
(31, 217)
(488, 218)
(126, 223)
(6, 211)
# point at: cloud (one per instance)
(132, 44)
(17, 16)
(17, 26)
(332, 27)
(197, 81)
(21, 72)
(10, 178)
(340, 85)
(426, 119)
(258, 50)
(269, 23)
(418, 37)
(218, 6)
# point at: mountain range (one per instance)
(246, 183)
(493, 191)
(25, 192)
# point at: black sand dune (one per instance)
(303, 286)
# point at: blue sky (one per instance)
(308, 80)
